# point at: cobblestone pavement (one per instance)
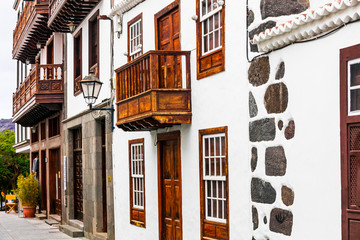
(14, 228)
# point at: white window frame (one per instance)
(135, 50)
(137, 174)
(211, 179)
(205, 17)
(349, 88)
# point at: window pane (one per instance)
(355, 100)
(206, 44)
(206, 147)
(207, 163)
(209, 5)
(212, 167)
(211, 23)
(355, 74)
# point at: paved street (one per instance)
(14, 228)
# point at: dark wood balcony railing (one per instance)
(43, 80)
(154, 91)
(33, 18)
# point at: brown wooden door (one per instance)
(350, 141)
(42, 179)
(170, 188)
(55, 181)
(78, 179)
(168, 39)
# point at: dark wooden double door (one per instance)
(78, 174)
(170, 197)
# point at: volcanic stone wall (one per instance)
(271, 128)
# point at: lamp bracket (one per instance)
(110, 109)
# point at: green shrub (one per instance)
(28, 190)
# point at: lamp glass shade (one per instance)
(91, 87)
(38, 45)
(71, 26)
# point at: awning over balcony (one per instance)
(62, 12)
(30, 29)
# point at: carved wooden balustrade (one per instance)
(154, 91)
(23, 19)
(43, 80)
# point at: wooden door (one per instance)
(78, 179)
(350, 141)
(168, 39)
(170, 202)
(42, 179)
(55, 181)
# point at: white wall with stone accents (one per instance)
(313, 156)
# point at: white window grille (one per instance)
(137, 175)
(211, 21)
(214, 176)
(354, 87)
(135, 40)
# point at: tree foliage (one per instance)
(12, 164)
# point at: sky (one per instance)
(7, 64)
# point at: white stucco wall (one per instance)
(76, 104)
(218, 100)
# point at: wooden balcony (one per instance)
(40, 95)
(154, 91)
(31, 28)
(62, 12)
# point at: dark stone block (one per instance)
(259, 71)
(290, 130)
(280, 125)
(276, 8)
(275, 161)
(265, 220)
(280, 71)
(254, 158)
(253, 109)
(262, 191)
(281, 221)
(287, 195)
(261, 28)
(255, 218)
(276, 98)
(253, 238)
(250, 17)
(262, 130)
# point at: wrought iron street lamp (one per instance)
(91, 86)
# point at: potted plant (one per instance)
(28, 193)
